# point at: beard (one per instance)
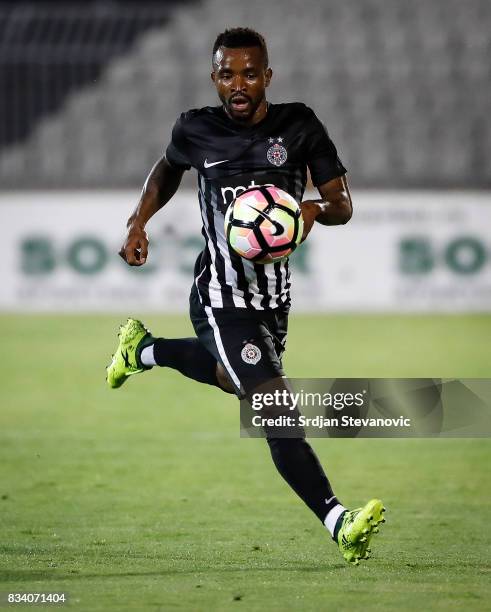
(241, 107)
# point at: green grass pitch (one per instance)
(145, 498)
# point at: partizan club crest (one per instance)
(276, 154)
(251, 353)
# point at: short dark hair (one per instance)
(236, 38)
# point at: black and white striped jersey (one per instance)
(229, 158)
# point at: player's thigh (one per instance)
(246, 351)
(277, 327)
(241, 345)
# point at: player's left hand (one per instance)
(310, 210)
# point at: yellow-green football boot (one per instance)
(357, 529)
(133, 337)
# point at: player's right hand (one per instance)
(135, 248)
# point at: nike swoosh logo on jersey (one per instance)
(279, 229)
(210, 164)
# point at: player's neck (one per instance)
(261, 112)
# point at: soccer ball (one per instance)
(264, 224)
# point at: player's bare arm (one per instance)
(334, 208)
(160, 186)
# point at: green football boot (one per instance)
(133, 337)
(357, 529)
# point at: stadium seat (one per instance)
(391, 81)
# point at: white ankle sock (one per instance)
(332, 517)
(146, 356)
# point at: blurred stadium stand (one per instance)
(404, 87)
(47, 50)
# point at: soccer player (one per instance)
(239, 309)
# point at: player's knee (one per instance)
(223, 379)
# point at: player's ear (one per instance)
(268, 74)
(213, 76)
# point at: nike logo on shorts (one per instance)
(210, 164)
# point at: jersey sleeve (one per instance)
(176, 151)
(322, 156)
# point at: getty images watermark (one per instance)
(290, 401)
(373, 408)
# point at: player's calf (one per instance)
(138, 350)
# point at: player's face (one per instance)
(241, 80)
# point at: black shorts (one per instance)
(248, 343)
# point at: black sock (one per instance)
(298, 464)
(188, 356)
